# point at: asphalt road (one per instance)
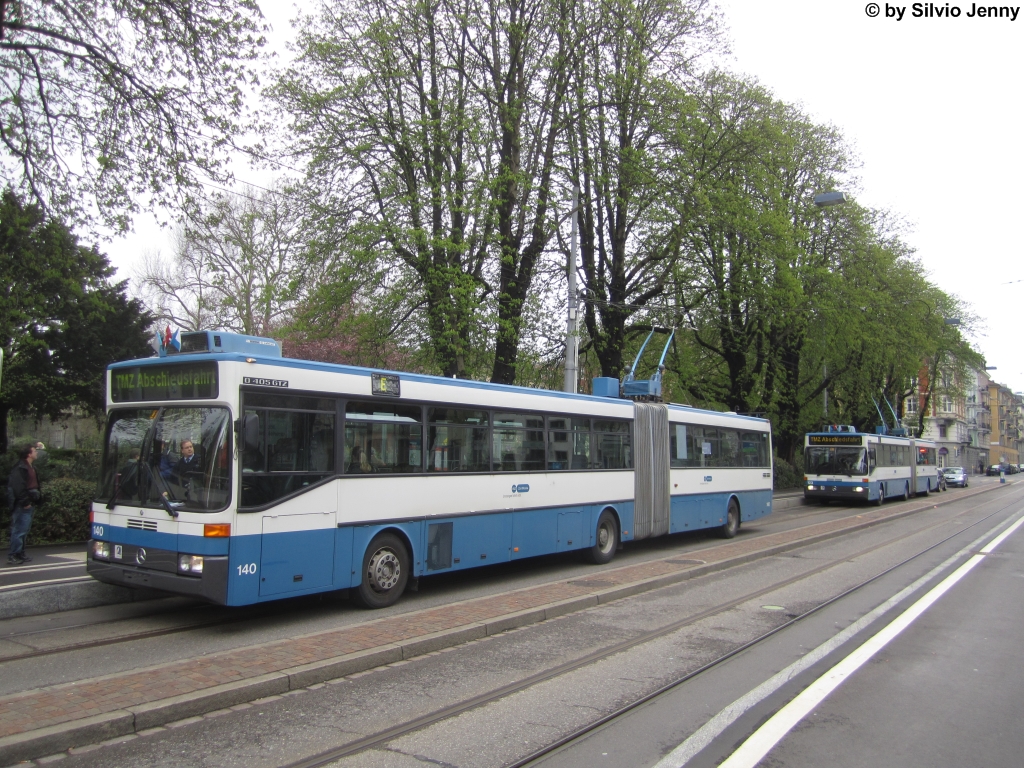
(281, 730)
(945, 691)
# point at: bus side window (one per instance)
(252, 453)
(871, 460)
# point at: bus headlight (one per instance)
(858, 489)
(810, 487)
(101, 550)
(190, 563)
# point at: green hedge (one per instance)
(787, 476)
(64, 514)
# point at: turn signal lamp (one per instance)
(217, 530)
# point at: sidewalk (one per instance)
(45, 721)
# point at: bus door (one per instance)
(913, 468)
(298, 543)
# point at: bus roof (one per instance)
(311, 365)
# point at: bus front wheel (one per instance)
(606, 539)
(385, 572)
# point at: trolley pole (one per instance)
(572, 339)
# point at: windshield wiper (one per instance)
(169, 505)
(119, 482)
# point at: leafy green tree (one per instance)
(431, 129)
(61, 319)
(109, 103)
(630, 95)
(735, 278)
(381, 103)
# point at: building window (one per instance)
(942, 431)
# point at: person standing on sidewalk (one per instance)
(23, 485)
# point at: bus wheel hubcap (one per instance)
(384, 570)
(603, 537)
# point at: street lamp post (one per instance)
(572, 339)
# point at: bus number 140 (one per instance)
(247, 569)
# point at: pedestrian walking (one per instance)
(24, 492)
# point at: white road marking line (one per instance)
(13, 569)
(772, 732)
(28, 584)
(702, 737)
(76, 556)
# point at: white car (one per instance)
(955, 476)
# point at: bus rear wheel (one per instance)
(606, 539)
(881, 495)
(732, 521)
(385, 572)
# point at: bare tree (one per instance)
(105, 103)
(239, 264)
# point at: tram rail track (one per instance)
(239, 616)
(384, 736)
(245, 614)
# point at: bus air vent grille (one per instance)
(142, 525)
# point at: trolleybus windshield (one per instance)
(175, 454)
(827, 460)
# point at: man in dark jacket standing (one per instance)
(23, 485)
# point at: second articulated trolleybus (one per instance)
(236, 475)
(841, 463)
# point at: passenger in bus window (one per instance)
(359, 464)
(162, 458)
(376, 462)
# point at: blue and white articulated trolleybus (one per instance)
(841, 463)
(236, 475)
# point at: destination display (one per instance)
(834, 439)
(174, 381)
(386, 384)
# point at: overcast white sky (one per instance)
(931, 107)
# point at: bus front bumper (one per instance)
(837, 491)
(211, 585)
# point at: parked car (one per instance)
(955, 476)
(994, 470)
(1011, 469)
